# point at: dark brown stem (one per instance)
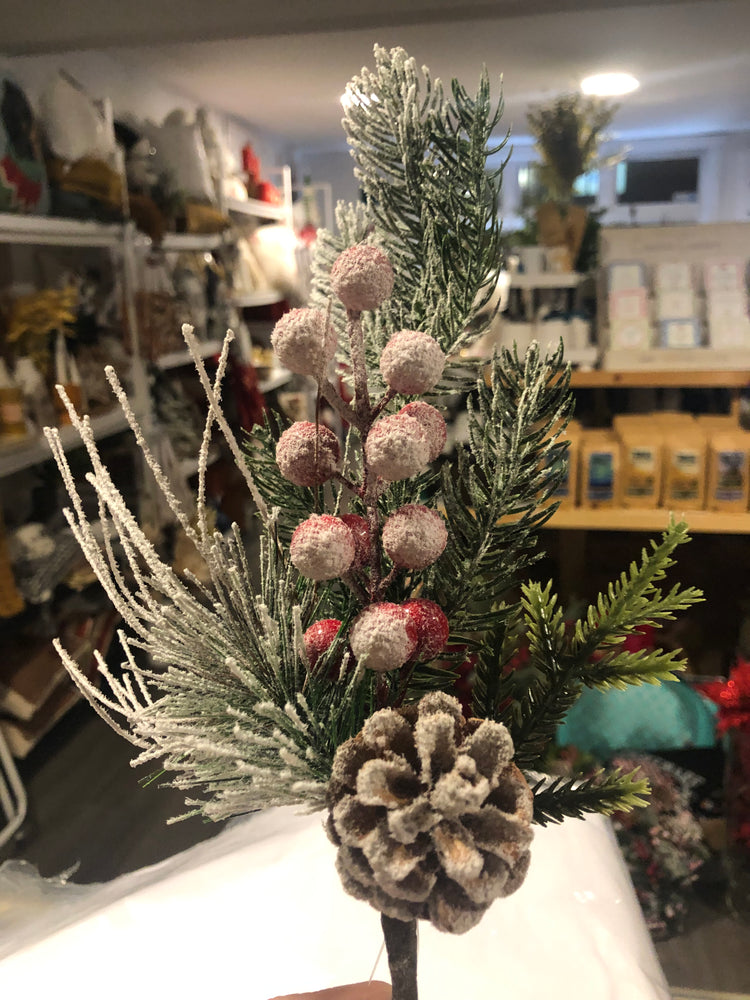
(356, 587)
(404, 678)
(383, 402)
(401, 945)
(357, 490)
(385, 583)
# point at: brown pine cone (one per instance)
(431, 816)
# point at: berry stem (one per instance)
(356, 588)
(331, 396)
(383, 402)
(385, 583)
(359, 367)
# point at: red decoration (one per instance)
(431, 625)
(319, 637)
(362, 542)
(733, 698)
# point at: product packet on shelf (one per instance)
(685, 456)
(728, 464)
(599, 469)
(641, 465)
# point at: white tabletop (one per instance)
(258, 911)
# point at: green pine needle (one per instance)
(604, 792)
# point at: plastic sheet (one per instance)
(258, 912)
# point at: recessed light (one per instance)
(350, 97)
(609, 84)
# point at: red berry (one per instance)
(382, 637)
(431, 422)
(307, 455)
(431, 625)
(322, 547)
(414, 536)
(362, 277)
(362, 542)
(319, 637)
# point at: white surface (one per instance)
(259, 911)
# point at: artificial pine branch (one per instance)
(604, 792)
(593, 655)
(498, 496)
(634, 600)
(325, 676)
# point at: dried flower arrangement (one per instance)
(319, 686)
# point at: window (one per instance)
(533, 191)
(640, 182)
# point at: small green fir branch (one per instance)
(605, 792)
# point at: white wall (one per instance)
(131, 92)
(723, 185)
(326, 165)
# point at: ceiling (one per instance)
(284, 67)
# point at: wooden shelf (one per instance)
(660, 379)
(649, 519)
(546, 279)
(25, 454)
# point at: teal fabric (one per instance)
(665, 717)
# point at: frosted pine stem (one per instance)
(359, 368)
(221, 420)
(206, 441)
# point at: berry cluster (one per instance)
(384, 636)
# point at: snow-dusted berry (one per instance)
(307, 455)
(431, 625)
(414, 536)
(322, 547)
(396, 448)
(304, 341)
(362, 277)
(383, 637)
(431, 422)
(412, 362)
(319, 637)
(362, 541)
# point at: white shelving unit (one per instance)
(262, 298)
(189, 466)
(48, 231)
(190, 242)
(252, 208)
(27, 453)
(275, 380)
(178, 359)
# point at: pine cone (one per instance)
(431, 816)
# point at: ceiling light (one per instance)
(609, 84)
(351, 96)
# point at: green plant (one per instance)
(568, 133)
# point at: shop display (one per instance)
(431, 811)
(23, 179)
(732, 695)
(677, 297)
